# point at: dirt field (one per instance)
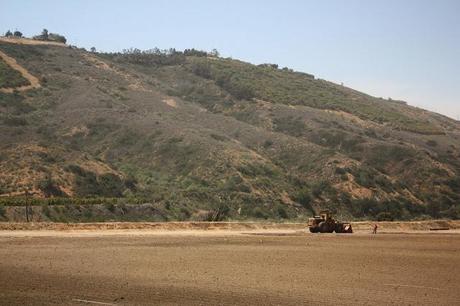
(284, 267)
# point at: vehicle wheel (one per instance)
(323, 228)
(313, 229)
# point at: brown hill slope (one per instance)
(193, 133)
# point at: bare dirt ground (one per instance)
(29, 41)
(245, 266)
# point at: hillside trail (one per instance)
(28, 41)
(34, 82)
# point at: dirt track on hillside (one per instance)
(28, 41)
(227, 267)
(34, 82)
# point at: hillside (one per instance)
(203, 137)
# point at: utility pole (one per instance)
(27, 205)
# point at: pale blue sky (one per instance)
(406, 50)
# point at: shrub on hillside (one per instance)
(337, 140)
(237, 88)
(293, 126)
(15, 121)
(152, 57)
(259, 213)
(201, 69)
(322, 188)
(88, 183)
(194, 52)
(381, 155)
(2, 210)
(46, 36)
(303, 197)
(49, 187)
(384, 216)
(57, 38)
(282, 213)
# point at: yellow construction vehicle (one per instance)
(325, 223)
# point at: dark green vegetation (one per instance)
(10, 77)
(206, 138)
(46, 36)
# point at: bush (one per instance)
(259, 213)
(219, 213)
(15, 121)
(337, 140)
(152, 57)
(2, 210)
(453, 212)
(57, 38)
(322, 187)
(290, 125)
(45, 36)
(340, 171)
(381, 155)
(236, 184)
(303, 197)
(110, 207)
(384, 216)
(363, 207)
(365, 177)
(110, 185)
(89, 184)
(239, 90)
(282, 212)
(201, 69)
(267, 143)
(46, 211)
(49, 187)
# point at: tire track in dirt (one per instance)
(34, 82)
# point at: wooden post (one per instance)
(27, 205)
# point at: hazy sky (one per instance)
(407, 50)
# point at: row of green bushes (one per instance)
(398, 209)
(155, 57)
(33, 201)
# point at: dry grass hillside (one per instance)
(202, 137)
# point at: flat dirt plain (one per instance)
(261, 266)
